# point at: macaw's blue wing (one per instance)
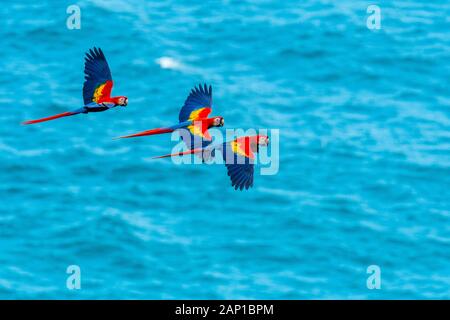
(197, 105)
(98, 80)
(240, 167)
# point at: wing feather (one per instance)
(198, 104)
(240, 169)
(98, 80)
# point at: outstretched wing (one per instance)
(98, 80)
(197, 105)
(240, 167)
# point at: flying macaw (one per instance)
(238, 155)
(193, 118)
(96, 88)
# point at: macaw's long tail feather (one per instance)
(148, 133)
(192, 151)
(65, 114)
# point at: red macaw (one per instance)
(238, 155)
(96, 88)
(193, 117)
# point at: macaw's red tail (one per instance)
(65, 114)
(148, 133)
(192, 151)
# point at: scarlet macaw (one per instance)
(96, 88)
(239, 156)
(193, 117)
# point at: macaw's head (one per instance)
(218, 122)
(254, 142)
(262, 140)
(122, 101)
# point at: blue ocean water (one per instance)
(364, 120)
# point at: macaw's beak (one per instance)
(125, 103)
(222, 122)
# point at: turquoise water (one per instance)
(364, 176)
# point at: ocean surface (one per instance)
(364, 161)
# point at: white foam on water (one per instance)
(169, 63)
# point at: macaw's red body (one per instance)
(238, 155)
(96, 88)
(193, 118)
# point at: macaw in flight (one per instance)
(96, 88)
(238, 155)
(193, 118)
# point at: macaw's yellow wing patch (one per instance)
(199, 113)
(200, 131)
(243, 149)
(102, 92)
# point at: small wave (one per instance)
(169, 63)
(23, 153)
